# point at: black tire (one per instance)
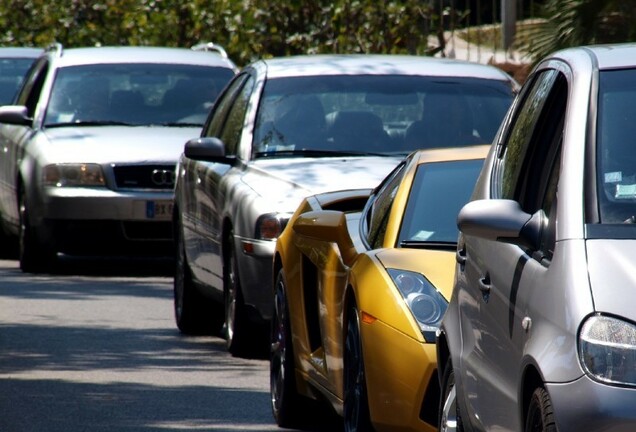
(540, 416)
(357, 417)
(239, 332)
(287, 404)
(35, 255)
(449, 416)
(194, 314)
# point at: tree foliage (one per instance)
(570, 23)
(248, 29)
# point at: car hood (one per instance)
(105, 144)
(282, 180)
(612, 276)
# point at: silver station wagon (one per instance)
(88, 151)
(290, 127)
(540, 333)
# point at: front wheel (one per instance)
(194, 314)
(357, 417)
(540, 416)
(449, 418)
(239, 333)
(286, 402)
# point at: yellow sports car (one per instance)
(361, 283)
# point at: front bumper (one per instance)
(403, 390)
(587, 405)
(92, 221)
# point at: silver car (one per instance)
(540, 333)
(88, 151)
(291, 127)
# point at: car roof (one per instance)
(20, 52)
(376, 64)
(448, 154)
(128, 54)
(610, 56)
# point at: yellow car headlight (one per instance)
(61, 175)
(424, 301)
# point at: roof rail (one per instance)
(55, 47)
(210, 46)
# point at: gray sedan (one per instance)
(291, 127)
(88, 151)
(540, 333)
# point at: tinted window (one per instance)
(135, 93)
(386, 114)
(616, 148)
(233, 127)
(12, 72)
(438, 192)
(521, 132)
(222, 107)
(377, 215)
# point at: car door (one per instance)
(502, 281)
(13, 139)
(211, 177)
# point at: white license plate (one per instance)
(159, 210)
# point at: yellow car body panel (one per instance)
(322, 274)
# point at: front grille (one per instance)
(144, 176)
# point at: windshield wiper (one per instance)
(427, 244)
(315, 153)
(173, 124)
(90, 123)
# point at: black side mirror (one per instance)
(208, 149)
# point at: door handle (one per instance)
(460, 257)
(484, 287)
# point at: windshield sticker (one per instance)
(625, 191)
(613, 177)
(422, 235)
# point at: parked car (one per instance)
(540, 333)
(286, 128)
(14, 64)
(356, 322)
(90, 147)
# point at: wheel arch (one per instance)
(532, 379)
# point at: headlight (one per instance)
(269, 226)
(607, 349)
(424, 301)
(61, 175)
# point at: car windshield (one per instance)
(616, 146)
(438, 192)
(377, 114)
(135, 94)
(12, 72)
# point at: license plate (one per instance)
(159, 210)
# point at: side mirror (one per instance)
(207, 149)
(327, 225)
(15, 115)
(501, 220)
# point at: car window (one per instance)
(377, 113)
(531, 163)
(438, 192)
(233, 127)
(30, 92)
(138, 94)
(521, 134)
(377, 212)
(222, 107)
(616, 154)
(12, 72)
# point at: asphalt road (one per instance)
(94, 348)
